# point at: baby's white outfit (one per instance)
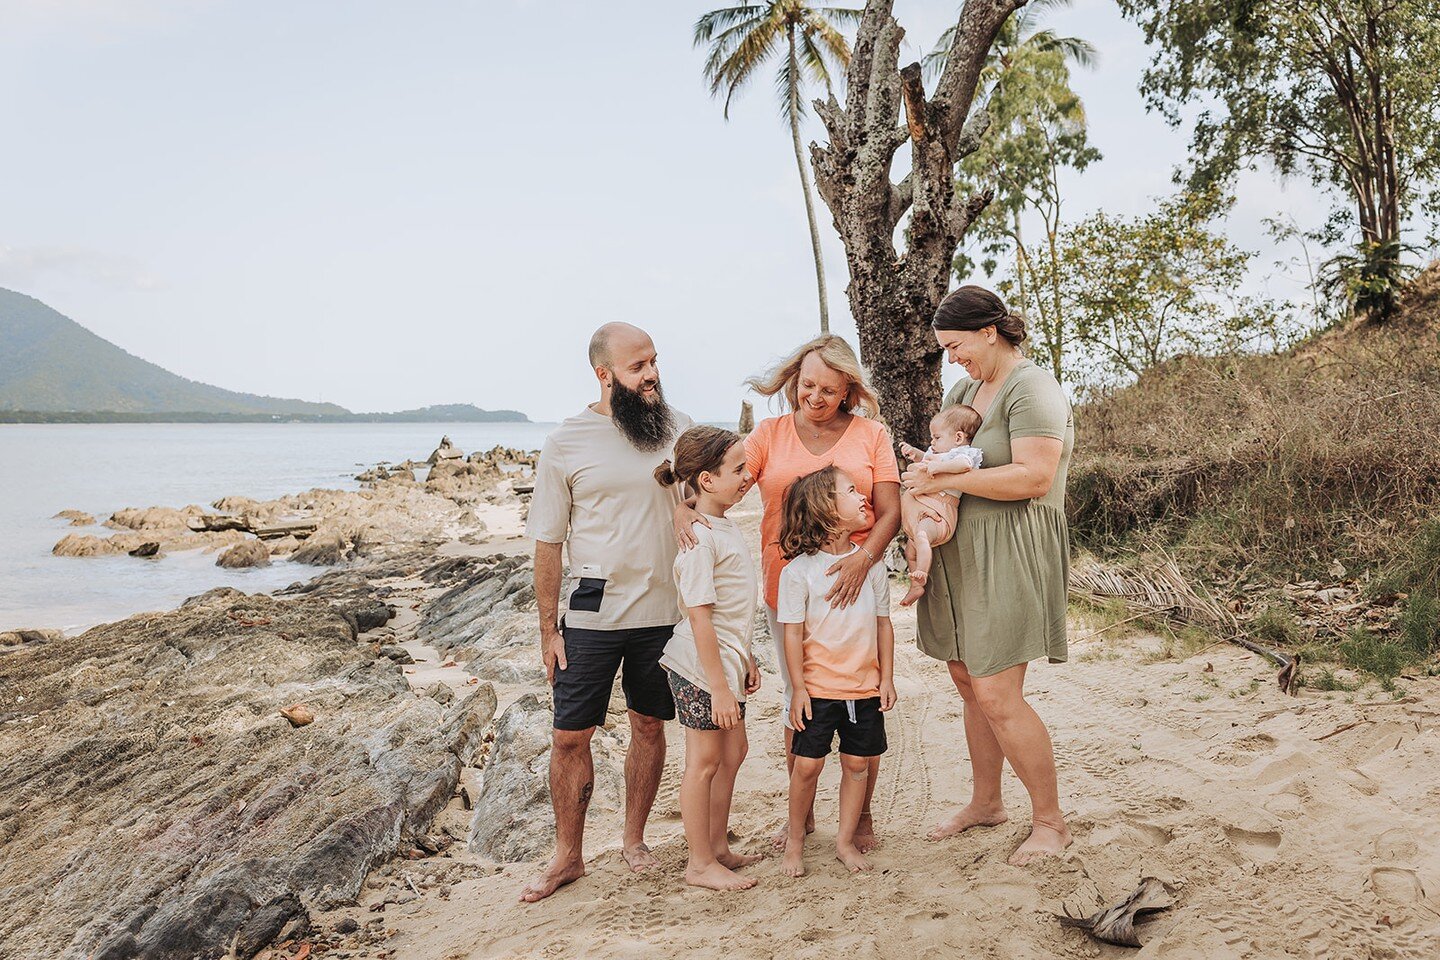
(972, 455)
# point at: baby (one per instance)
(951, 431)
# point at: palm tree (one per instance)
(742, 39)
(1021, 30)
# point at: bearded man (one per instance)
(595, 489)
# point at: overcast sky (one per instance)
(390, 205)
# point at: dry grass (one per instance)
(1268, 469)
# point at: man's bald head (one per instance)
(614, 339)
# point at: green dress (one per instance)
(997, 591)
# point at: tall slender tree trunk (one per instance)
(805, 183)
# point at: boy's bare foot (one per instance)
(851, 857)
(639, 857)
(1044, 841)
(734, 861)
(966, 817)
(779, 838)
(865, 839)
(717, 876)
(793, 864)
(555, 875)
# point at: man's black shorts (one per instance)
(860, 723)
(582, 690)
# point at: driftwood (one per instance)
(210, 523)
(214, 523)
(299, 529)
(1116, 923)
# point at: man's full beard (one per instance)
(647, 424)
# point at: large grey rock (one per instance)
(512, 819)
(321, 548)
(154, 803)
(251, 553)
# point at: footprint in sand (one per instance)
(1257, 845)
(1396, 844)
(1396, 883)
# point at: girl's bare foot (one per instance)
(966, 817)
(793, 864)
(917, 589)
(779, 838)
(865, 839)
(556, 874)
(851, 857)
(734, 861)
(1044, 841)
(717, 876)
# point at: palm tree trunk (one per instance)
(805, 183)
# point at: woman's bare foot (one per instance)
(865, 839)
(555, 875)
(781, 836)
(1044, 841)
(793, 864)
(639, 857)
(717, 876)
(917, 589)
(966, 817)
(849, 855)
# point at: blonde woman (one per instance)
(830, 422)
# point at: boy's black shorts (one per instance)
(582, 690)
(860, 723)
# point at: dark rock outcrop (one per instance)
(170, 811)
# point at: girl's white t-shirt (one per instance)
(718, 571)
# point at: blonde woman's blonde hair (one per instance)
(835, 353)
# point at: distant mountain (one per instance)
(52, 370)
(448, 413)
(48, 362)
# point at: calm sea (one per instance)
(100, 468)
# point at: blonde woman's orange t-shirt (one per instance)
(777, 458)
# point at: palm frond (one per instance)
(724, 18)
(758, 46)
(724, 45)
(817, 28)
(787, 78)
(933, 62)
(1080, 52)
(812, 61)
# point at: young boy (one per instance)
(841, 659)
(951, 431)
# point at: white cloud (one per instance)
(23, 267)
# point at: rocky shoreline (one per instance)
(210, 781)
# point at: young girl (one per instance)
(841, 660)
(708, 658)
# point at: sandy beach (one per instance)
(1285, 826)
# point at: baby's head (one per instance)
(954, 427)
(819, 507)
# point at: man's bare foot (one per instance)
(779, 837)
(734, 861)
(865, 839)
(916, 591)
(639, 857)
(966, 817)
(555, 875)
(1044, 841)
(717, 876)
(851, 857)
(793, 864)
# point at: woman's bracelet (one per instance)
(867, 553)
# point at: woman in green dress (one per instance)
(997, 592)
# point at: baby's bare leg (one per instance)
(925, 530)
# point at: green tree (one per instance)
(809, 39)
(1037, 129)
(1346, 92)
(1141, 290)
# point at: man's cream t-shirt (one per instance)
(597, 493)
(719, 571)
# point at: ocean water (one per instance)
(101, 468)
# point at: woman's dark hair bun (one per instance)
(973, 308)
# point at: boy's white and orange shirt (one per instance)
(841, 648)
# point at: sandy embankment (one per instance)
(1288, 827)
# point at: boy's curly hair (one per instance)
(809, 520)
